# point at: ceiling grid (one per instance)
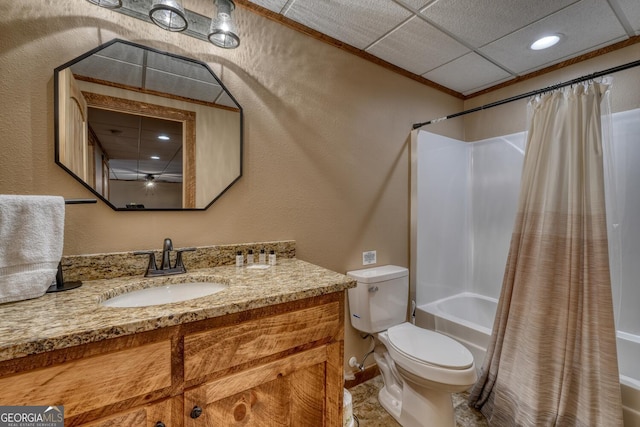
(459, 44)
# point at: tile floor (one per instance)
(370, 414)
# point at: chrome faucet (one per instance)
(165, 267)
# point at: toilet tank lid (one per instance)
(378, 274)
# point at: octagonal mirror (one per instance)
(145, 129)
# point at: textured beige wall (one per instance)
(511, 118)
(326, 138)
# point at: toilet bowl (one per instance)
(428, 367)
(420, 368)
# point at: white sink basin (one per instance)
(164, 294)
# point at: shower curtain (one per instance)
(552, 356)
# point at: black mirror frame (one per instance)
(56, 118)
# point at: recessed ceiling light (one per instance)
(155, 157)
(545, 42)
(163, 137)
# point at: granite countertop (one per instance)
(65, 319)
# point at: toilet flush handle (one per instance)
(373, 289)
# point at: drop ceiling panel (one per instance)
(124, 53)
(358, 23)
(124, 169)
(631, 12)
(179, 67)
(586, 25)
(118, 63)
(173, 172)
(414, 4)
(468, 73)
(179, 86)
(417, 47)
(108, 69)
(147, 167)
(478, 23)
(225, 99)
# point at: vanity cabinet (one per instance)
(250, 384)
(276, 365)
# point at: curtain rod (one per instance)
(532, 93)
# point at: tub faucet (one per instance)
(165, 267)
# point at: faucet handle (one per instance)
(179, 263)
(152, 261)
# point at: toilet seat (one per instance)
(429, 347)
(430, 356)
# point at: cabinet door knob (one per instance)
(160, 424)
(196, 412)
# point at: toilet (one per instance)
(420, 368)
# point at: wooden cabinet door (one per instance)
(153, 415)
(292, 391)
(88, 385)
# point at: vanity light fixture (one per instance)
(168, 15)
(109, 4)
(149, 181)
(222, 32)
(546, 42)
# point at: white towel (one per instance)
(31, 239)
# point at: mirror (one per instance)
(145, 129)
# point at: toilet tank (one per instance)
(380, 299)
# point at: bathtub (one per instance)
(468, 318)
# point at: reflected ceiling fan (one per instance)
(124, 173)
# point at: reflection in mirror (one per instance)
(145, 129)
